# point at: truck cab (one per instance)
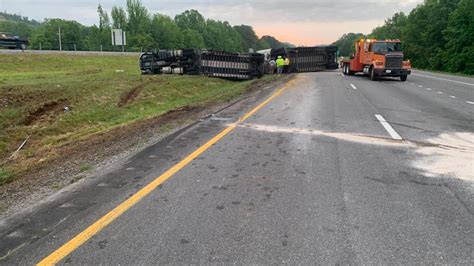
(378, 58)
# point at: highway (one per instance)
(325, 169)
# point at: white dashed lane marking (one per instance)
(440, 92)
(452, 96)
(353, 86)
(388, 128)
(469, 102)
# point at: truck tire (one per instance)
(23, 46)
(403, 77)
(372, 74)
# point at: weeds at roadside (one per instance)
(85, 167)
(6, 176)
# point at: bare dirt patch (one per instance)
(10, 97)
(131, 95)
(45, 112)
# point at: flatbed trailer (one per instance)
(308, 59)
(212, 63)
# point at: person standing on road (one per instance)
(286, 68)
(280, 62)
(271, 66)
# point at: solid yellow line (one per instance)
(105, 220)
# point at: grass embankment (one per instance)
(102, 92)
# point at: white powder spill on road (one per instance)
(365, 139)
(449, 155)
(453, 157)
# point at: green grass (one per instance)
(6, 176)
(91, 87)
(85, 167)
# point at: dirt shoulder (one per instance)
(81, 158)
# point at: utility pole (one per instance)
(123, 41)
(60, 45)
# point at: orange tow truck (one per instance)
(377, 58)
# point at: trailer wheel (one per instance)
(372, 74)
(403, 77)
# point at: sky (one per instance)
(296, 21)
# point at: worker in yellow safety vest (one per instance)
(286, 67)
(280, 62)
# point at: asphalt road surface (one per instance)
(325, 169)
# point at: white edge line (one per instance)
(460, 82)
(353, 86)
(388, 128)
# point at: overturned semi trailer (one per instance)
(308, 59)
(203, 62)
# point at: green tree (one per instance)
(119, 18)
(19, 28)
(104, 21)
(423, 35)
(249, 38)
(392, 29)
(40, 39)
(221, 36)
(191, 19)
(346, 43)
(141, 41)
(192, 39)
(138, 18)
(72, 33)
(459, 53)
(270, 42)
(166, 34)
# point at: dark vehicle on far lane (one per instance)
(11, 41)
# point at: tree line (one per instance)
(436, 35)
(145, 31)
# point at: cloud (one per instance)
(299, 21)
(256, 11)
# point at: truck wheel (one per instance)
(23, 46)
(403, 78)
(372, 74)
